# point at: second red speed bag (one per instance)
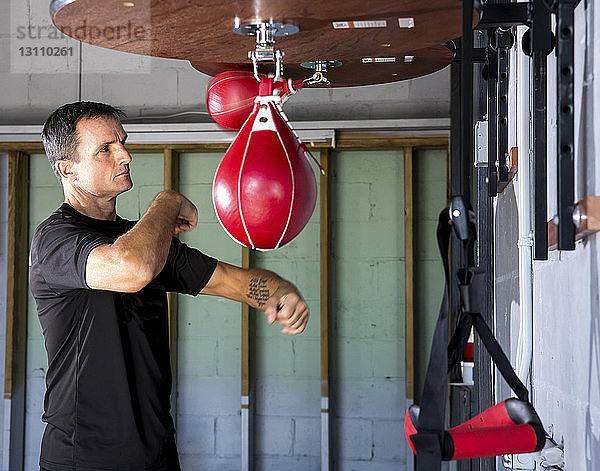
(264, 190)
(230, 96)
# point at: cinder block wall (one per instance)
(430, 197)
(208, 402)
(368, 310)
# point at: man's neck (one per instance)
(93, 207)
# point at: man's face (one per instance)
(103, 167)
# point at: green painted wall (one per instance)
(208, 421)
(367, 298)
(430, 197)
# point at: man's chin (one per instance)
(128, 185)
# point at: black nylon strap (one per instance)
(433, 400)
(499, 357)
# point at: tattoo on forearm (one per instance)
(258, 291)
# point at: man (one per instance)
(100, 285)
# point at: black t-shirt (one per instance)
(107, 404)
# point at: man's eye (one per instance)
(104, 149)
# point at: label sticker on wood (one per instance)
(359, 24)
(406, 22)
(367, 60)
(408, 59)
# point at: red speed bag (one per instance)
(264, 190)
(230, 96)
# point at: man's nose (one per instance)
(123, 156)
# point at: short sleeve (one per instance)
(60, 250)
(187, 270)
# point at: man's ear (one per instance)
(65, 168)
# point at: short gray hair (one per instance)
(60, 129)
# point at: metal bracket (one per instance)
(481, 144)
(265, 51)
(320, 68)
(520, 462)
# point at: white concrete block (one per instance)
(388, 440)
(49, 91)
(353, 439)
(354, 359)
(373, 465)
(196, 434)
(274, 357)
(99, 60)
(350, 322)
(228, 436)
(307, 436)
(288, 397)
(389, 359)
(15, 92)
(287, 463)
(273, 435)
(207, 463)
(229, 356)
(307, 354)
(197, 356)
(136, 91)
(378, 398)
(208, 396)
(204, 315)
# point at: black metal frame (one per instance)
(492, 86)
(496, 19)
(540, 38)
(565, 19)
(504, 41)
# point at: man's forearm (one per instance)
(253, 286)
(148, 242)
(278, 298)
(261, 289)
(259, 285)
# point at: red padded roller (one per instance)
(509, 427)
